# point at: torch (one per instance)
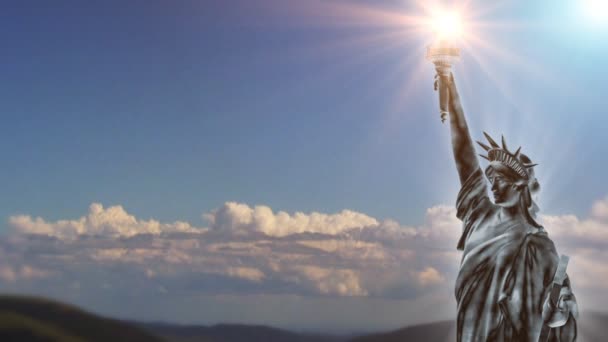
(444, 54)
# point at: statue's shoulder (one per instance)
(539, 240)
(541, 233)
(472, 200)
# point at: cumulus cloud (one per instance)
(240, 217)
(599, 210)
(586, 242)
(252, 249)
(249, 273)
(571, 231)
(113, 221)
(429, 276)
(343, 282)
(11, 274)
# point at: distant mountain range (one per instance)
(27, 319)
(233, 333)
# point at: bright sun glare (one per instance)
(447, 25)
(465, 24)
(596, 10)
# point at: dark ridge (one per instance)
(39, 319)
(14, 327)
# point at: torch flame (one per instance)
(447, 25)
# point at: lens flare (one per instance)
(596, 10)
(447, 25)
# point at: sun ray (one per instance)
(488, 8)
(478, 45)
(361, 42)
(350, 14)
(391, 117)
(509, 25)
(528, 123)
(382, 31)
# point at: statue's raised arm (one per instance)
(464, 151)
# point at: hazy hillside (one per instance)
(433, 332)
(36, 319)
(593, 327)
(234, 333)
(26, 319)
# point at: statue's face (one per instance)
(504, 190)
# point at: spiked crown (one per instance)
(517, 162)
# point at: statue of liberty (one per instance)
(509, 262)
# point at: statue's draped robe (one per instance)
(505, 275)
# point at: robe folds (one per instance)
(505, 275)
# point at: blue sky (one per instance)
(172, 109)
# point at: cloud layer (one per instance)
(253, 251)
(109, 222)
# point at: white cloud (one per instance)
(25, 272)
(341, 282)
(7, 273)
(348, 248)
(600, 210)
(429, 276)
(341, 254)
(109, 222)
(441, 223)
(248, 273)
(349, 254)
(569, 230)
(240, 217)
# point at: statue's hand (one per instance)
(436, 84)
(446, 80)
(557, 315)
